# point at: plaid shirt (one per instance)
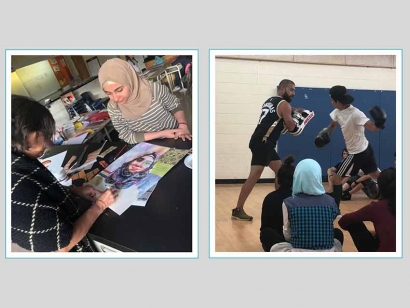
(42, 210)
(311, 221)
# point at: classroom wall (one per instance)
(17, 86)
(58, 110)
(93, 87)
(242, 86)
(25, 60)
(38, 80)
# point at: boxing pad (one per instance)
(301, 119)
(379, 116)
(285, 129)
(322, 138)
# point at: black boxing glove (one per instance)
(379, 116)
(322, 138)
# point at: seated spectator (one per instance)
(333, 169)
(272, 216)
(308, 215)
(381, 213)
(359, 182)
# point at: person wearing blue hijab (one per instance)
(307, 178)
(308, 215)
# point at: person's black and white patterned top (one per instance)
(42, 210)
(158, 117)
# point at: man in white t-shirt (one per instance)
(353, 123)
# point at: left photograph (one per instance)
(101, 153)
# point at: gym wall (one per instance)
(242, 86)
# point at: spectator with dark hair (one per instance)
(332, 170)
(381, 213)
(45, 216)
(272, 216)
(359, 182)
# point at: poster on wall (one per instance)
(61, 70)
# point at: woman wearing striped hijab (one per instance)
(140, 110)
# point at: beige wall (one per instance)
(242, 86)
(385, 61)
(16, 85)
(22, 61)
(38, 80)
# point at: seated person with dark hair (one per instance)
(45, 216)
(358, 182)
(272, 215)
(382, 213)
(332, 170)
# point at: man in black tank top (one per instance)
(276, 114)
(268, 117)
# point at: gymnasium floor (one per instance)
(243, 236)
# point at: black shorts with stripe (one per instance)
(354, 162)
(263, 154)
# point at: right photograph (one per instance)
(303, 147)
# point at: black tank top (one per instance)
(269, 114)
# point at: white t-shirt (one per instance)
(351, 121)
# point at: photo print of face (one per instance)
(130, 173)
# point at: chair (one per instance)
(168, 74)
(80, 106)
(71, 112)
(162, 76)
(92, 103)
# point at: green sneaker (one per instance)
(240, 214)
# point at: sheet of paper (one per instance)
(54, 162)
(130, 174)
(168, 161)
(87, 165)
(76, 140)
(143, 199)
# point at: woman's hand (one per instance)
(86, 192)
(107, 198)
(183, 132)
(169, 133)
